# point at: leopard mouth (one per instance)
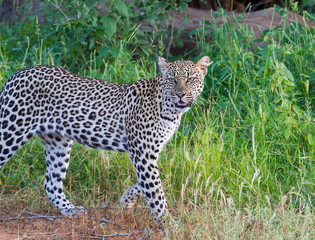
(181, 104)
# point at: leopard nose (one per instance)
(180, 94)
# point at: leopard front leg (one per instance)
(150, 183)
(57, 152)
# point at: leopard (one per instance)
(62, 108)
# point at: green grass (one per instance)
(245, 152)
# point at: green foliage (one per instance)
(309, 6)
(75, 34)
(262, 107)
(249, 138)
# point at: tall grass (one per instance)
(247, 144)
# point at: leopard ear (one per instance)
(203, 64)
(163, 65)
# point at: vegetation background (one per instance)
(242, 164)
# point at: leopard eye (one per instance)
(190, 79)
(172, 78)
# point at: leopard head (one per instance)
(182, 81)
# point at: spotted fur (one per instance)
(61, 107)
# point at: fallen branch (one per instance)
(51, 218)
(55, 235)
(63, 237)
(37, 215)
(27, 218)
(87, 237)
(119, 234)
(103, 220)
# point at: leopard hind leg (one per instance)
(57, 152)
(15, 131)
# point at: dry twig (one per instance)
(119, 234)
(26, 218)
(35, 214)
(103, 220)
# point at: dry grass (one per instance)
(130, 224)
(192, 222)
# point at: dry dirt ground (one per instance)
(107, 223)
